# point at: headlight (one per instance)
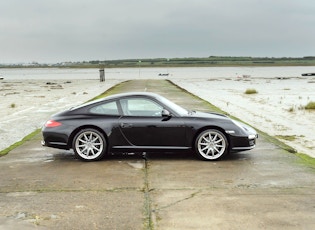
(240, 125)
(251, 136)
(246, 128)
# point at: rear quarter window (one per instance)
(109, 108)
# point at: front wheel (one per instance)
(89, 145)
(211, 144)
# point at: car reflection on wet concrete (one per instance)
(51, 182)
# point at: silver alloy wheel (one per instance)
(211, 144)
(89, 144)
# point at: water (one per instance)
(153, 73)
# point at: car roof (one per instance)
(116, 96)
(128, 94)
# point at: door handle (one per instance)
(126, 125)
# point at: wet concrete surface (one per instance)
(265, 188)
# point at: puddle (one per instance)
(136, 165)
(50, 160)
(18, 194)
(11, 223)
(38, 154)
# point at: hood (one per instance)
(208, 115)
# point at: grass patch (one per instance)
(310, 161)
(286, 137)
(25, 139)
(310, 105)
(276, 141)
(251, 91)
(291, 109)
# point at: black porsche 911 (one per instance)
(144, 122)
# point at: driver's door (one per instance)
(143, 124)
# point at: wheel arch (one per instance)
(78, 129)
(211, 127)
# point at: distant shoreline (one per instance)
(56, 73)
(212, 61)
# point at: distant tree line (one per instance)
(181, 62)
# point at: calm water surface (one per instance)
(153, 73)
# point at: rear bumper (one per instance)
(58, 145)
(55, 139)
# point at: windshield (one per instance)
(179, 110)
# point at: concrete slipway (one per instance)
(265, 188)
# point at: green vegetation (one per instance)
(17, 144)
(276, 141)
(179, 62)
(291, 109)
(13, 105)
(286, 137)
(251, 91)
(310, 105)
(305, 159)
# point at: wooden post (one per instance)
(102, 75)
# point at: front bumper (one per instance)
(243, 143)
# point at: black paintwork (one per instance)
(171, 130)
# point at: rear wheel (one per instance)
(211, 144)
(89, 145)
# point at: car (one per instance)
(144, 122)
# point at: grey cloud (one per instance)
(75, 30)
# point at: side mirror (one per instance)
(166, 113)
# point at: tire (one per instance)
(211, 144)
(89, 145)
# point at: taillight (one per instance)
(52, 123)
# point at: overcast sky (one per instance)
(49, 31)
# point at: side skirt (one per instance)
(150, 148)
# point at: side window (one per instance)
(140, 107)
(109, 108)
